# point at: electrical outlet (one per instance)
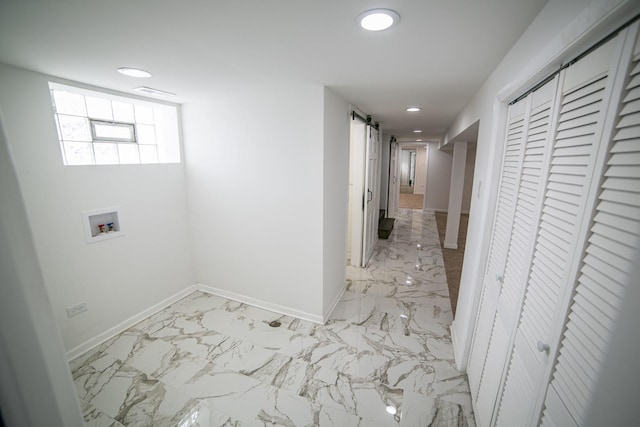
(74, 310)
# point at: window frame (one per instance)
(132, 126)
(162, 146)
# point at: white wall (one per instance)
(557, 34)
(35, 382)
(335, 198)
(117, 278)
(438, 178)
(255, 194)
(420, 185)
(468, 179)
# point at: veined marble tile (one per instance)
(93, 417)
(423, 410)
(133, 398)
(210, 361)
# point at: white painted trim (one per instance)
(461, 367)
(333, 305)
(443, 211)
(126, 324)
(260, 303)
(449, 245)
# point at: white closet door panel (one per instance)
(492, 283)
(514, 408)
(519, 389)
(492, 373)
(603, 276)
(482, 334)
(582, 104)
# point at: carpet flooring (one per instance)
(453, 258)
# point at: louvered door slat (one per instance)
(629, 120)
(609, 296)
(584, 110)
(628, 133)
(614, 246)
(573, 142)
(633, 94)
(624, 159)
(612, 265)
(631, 106)
(618, 196)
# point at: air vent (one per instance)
(153, 91)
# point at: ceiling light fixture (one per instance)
(417, 131)
(134, 72)
(413, 109)
(378, 19)
(391, 410)
(153, 91)
(418, 140)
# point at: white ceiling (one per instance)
(437, 57)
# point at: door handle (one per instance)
(543, 347)
(370, 195)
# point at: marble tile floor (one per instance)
(384, 358)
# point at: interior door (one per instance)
(371, 194)
(393, 181)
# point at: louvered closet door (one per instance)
(482, 369)
(613, 236)
(585, 89)
(515, 406)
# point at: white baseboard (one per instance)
(261, 304)
(449, 245)
(443, 211)
(333, 305)
(126, 324)
(454, 342)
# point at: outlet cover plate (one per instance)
(74, 310)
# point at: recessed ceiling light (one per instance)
(378, 19)
(391, 410)
(418, 140)
(417, 131)
(153, 91)
(413, 109)
(134, 72)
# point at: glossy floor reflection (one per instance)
(384, 359)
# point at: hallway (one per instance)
(206, 359)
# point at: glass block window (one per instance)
(97, 128)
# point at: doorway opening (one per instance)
(413, 176)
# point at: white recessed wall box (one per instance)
(102, 224)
